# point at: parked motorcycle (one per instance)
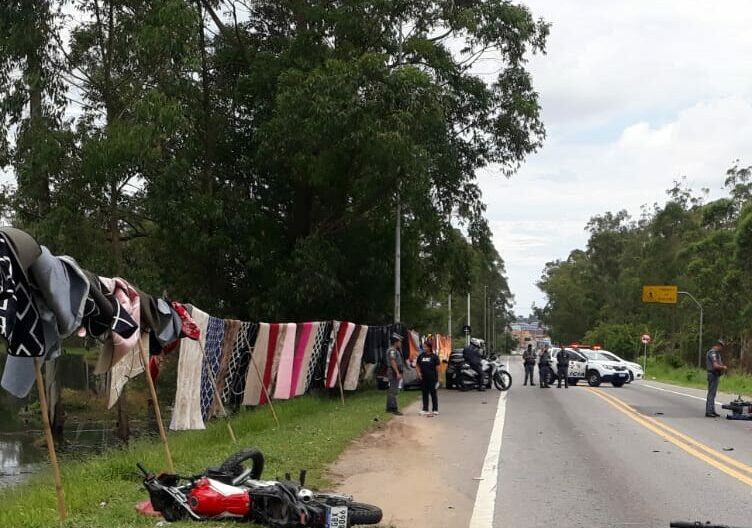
(502, 379)
(460, 375)
(234, 491)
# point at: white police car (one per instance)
(577, 365)
(634, 369)
(601, 368)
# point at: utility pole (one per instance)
(468, 318)
(699, 341)
(397, 261)
(449, 322)
(485, 314)
(493, 327)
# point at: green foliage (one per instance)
(622, 339)
(253, 164)
(703, 248)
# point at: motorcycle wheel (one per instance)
(360, 513)
(503, 380)
(234, 463)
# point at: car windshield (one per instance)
(596, 356)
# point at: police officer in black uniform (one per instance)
(716, 368)
(528, 358)
(472, 355)
(544, 364)
(562, 367)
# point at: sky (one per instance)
(635, 95)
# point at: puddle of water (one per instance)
(22, 447)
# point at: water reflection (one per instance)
(22, 448)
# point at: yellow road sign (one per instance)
(660, 294)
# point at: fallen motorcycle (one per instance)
(235, 492)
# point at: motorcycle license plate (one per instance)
(336, 517)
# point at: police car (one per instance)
(600, 368)
(634, 369)
(577, 365)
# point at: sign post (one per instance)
(699, 338)
(657, 294)
(645, 338)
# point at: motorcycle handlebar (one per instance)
(142, 468)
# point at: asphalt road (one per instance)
(641, 455)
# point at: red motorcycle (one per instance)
(234, 491)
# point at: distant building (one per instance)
(530, 332)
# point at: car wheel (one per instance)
(572, 381)
(619, 383)
(631, 377)
(593, 378)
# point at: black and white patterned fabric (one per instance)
(122, 323)
(215, 332)
(237, 368)
(20, 322)
(316, 369)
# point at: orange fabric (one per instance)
(413, 339)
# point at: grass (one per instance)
(101, 491)
(697, 378)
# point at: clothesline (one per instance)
(51, 297)
(46, 298)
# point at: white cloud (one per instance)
(635, 95)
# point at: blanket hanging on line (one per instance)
(215, 331)
(316, 369)
(186, 412)
(304, 341)
(283, 386)
(340, 339)
(352, 373)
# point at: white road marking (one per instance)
(485, 497)
(678, 393)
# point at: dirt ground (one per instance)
(398, 466)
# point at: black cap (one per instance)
(395, 337)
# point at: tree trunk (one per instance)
(302, 208)
(37, 179)
(207, 138)
(122, 428)
(53, 389)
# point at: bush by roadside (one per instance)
(664, 370)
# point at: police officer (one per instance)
(472, 355)
(528, 358)
(395, 367)
(544, 364)
(716, 368)
(562, 367)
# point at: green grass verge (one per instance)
(697, 378)
(101, 491)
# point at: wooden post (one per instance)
(157, 411)
(341, 391)
(263, 388)
(339, 371)
(216, 393)
(50, 442)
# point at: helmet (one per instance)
(475, 341)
